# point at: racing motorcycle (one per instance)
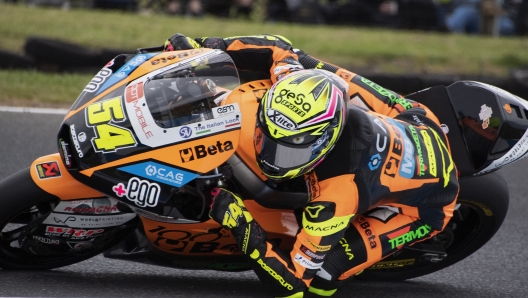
(153, 133)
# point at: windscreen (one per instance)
(186, 94)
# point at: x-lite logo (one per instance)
(281, 119)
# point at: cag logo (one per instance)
(200, 151)
(151, 170)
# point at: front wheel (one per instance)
(27, 243)
(482, 206)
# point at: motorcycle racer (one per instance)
(377, 167)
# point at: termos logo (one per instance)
(201, 151)
(397, 239)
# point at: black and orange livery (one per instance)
(392, 165)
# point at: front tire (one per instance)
(483, 206)
(23, 206)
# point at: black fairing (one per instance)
(484, 122)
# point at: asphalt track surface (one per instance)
(499, 269)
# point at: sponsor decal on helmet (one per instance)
(281, 120)
(269, 165)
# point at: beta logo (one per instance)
(141, 192)
(160, 173)
(201, 151)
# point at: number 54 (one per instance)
(109, 137)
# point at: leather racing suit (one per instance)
(388, 182)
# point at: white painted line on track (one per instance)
(33, 110)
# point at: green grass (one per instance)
(31, 88)
(361, 50)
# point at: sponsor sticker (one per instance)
(226, 110)
(48, 170)
(299, 259)
(202, 151)
(484, 115)
(88, 221)
(160, 173)
(141, 192)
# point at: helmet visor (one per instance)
(279, 155)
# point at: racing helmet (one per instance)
(494, 124)
(299, 120)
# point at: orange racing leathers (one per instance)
(388, 183)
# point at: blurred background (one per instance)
(403, 45)
(491, 17)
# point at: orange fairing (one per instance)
(192, 239)
(50, 174)
(248, 96)
(202, 154)
(207, 238)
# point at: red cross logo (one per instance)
(119, 189)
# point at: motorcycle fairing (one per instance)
(117, 142)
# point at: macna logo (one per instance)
(160, 173)
(200, 151)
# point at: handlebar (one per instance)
(151, 49)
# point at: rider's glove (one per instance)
(228, 209)
(179, 42)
